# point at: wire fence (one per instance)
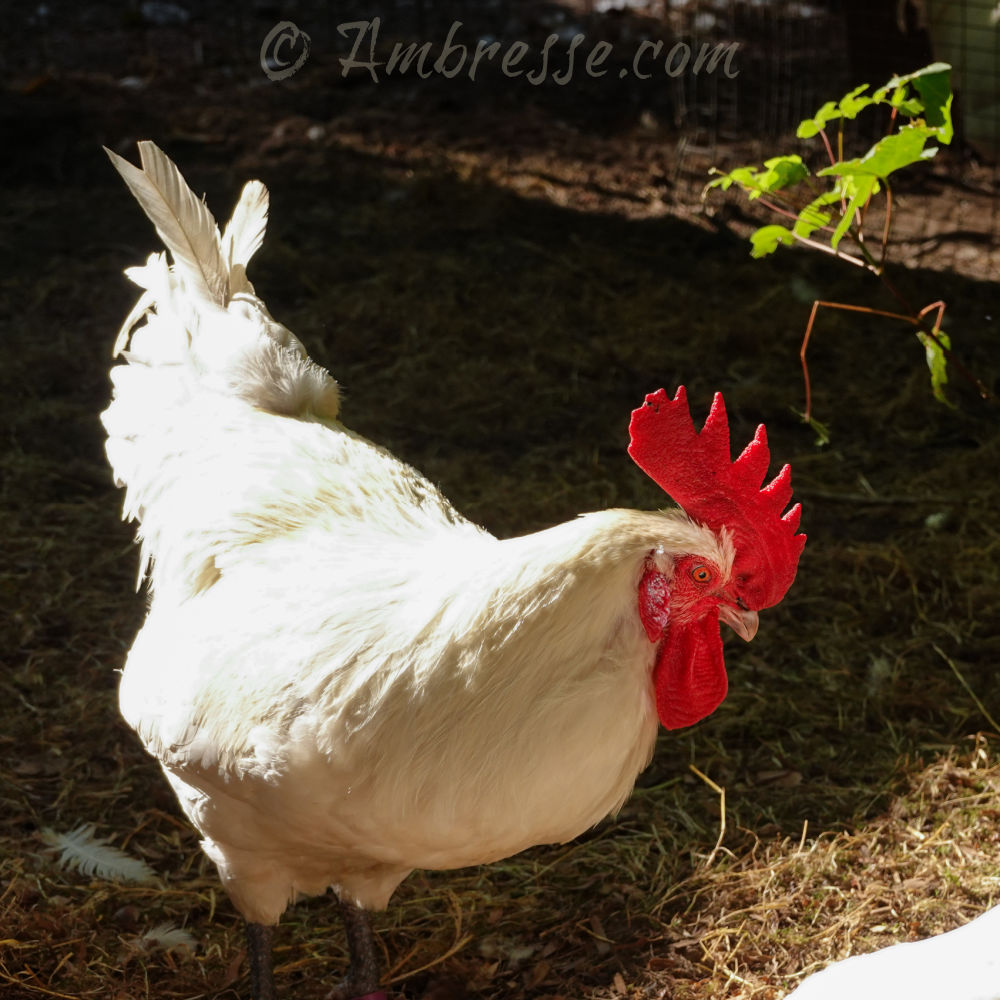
(792, 56)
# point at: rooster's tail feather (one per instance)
(200, 349)
(227, 337)
(182, 221)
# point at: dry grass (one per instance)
(497, 336)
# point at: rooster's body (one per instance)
(342, 678)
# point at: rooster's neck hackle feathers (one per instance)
(695, 469)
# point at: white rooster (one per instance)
(342, 678)
(963, 964)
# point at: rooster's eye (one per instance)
(701, 574)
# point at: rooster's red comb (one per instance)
(696, 471)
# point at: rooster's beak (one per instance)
(743, 622)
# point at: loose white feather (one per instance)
(81, 850)
(164, 937)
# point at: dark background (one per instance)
(497, 273)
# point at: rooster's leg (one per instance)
(363, 976)
(259, 939)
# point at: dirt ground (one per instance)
(496, 277)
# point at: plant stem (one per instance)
(831, 252)
(788, 213)
(829, 148)
(920, 322)
(887, 227)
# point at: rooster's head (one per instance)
(681, 611)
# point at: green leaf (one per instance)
(897, 151)
(909, 106)
(809, 220)
(744, 177)
(900, 82)
(779, 172)
(932, 100)
(766, 239)
(937, 363)
(812, 217)
(857, 189)
(821, 431)
(946, 130)
(853, 103)
(887, 155)
(726, 181)
(811, 126)
(847, 107)
(935, 91)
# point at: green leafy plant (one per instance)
(828, 210)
